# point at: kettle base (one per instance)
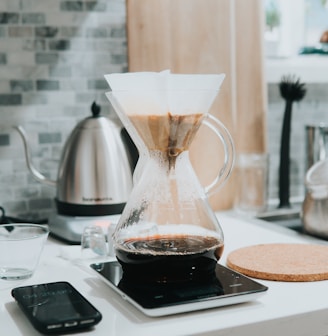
(70, 229)
(73, 209)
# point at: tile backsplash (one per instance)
(53, 55)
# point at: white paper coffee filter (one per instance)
(158, 93)
(188, 94)
(194, 82)
(138, 92)
(137, 80)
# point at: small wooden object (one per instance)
(281, 262)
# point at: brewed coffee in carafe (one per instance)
(168, 232)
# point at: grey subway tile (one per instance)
(34, 45)
(8, 18)
(46, 31)
(98, 32)
(10, 99)
(4, 140)
(40, 203)
(49, 138)
(95, 6)
(14, 206)
(21, 85)
(70, 31)
(97, 84)
(118, 59)
(47, 85)
(118, 32)
(33, 18)
(59, 44)
(20, 31)
(60, 71)
(71, 6)
(46, 58)
(3, 58)
(33, 98)
(3, 31)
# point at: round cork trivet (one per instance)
(281, 262)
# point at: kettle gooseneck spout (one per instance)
(36, 174)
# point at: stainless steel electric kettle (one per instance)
(315, 205)
(95, 171)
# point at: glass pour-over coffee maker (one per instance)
(168, 232)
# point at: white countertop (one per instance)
(286, 309)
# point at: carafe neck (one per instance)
(168, 159)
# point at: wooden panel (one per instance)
(202, 36)
(251, 100)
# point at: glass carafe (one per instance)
(168, 231)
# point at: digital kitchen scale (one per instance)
(227, 287)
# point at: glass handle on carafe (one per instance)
(229, 152)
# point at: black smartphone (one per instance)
(56, 307)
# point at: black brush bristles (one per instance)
(291, 89)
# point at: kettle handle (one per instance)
(229, 152)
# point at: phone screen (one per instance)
(56, 306)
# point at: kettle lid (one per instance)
(96, 119)
(95, 109)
